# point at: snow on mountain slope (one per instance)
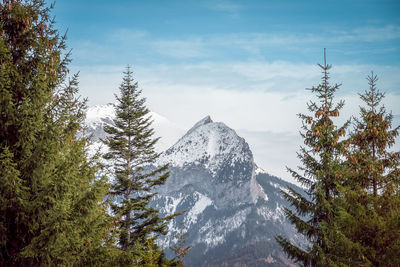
(208, 143)
(100, 115)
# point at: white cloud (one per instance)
(259, 99)
(247, 95)
(274, 151)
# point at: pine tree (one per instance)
(372, 195)
(316, 216)
(179, 248)
(51, 206)
(131, 149)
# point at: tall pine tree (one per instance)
(51, 206)
(316, 216)
(131, 151)
(372, 184)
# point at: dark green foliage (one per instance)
(131, 149)
(372, 192)
(316, 217)
(51, 206)
(179, 248)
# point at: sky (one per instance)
(245, 63)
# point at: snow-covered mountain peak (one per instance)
(202, 122)
(99, 113)
(208, 143)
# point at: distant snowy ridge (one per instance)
(100, 115)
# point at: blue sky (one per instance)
(365, 32)
(246, 63)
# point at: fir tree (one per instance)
(51, 206)
(372, 192)
(131, 149)
(316, 217)
(179, 248)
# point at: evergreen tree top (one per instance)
(324, 91)
(372, 97)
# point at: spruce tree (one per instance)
(131, 151)
(372, 191)
(316, 216)
(180, 249)
(51, 206)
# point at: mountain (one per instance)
(100, 115)
(233, 208)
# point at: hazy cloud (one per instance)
(224, 5)
(259, 99)
(367, 34)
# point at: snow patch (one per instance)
(256, 189)
(201, 204)
(284, 189)
(171, 203)
(268, 214)
(204, 121)
(214, 233)
(98, 113)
